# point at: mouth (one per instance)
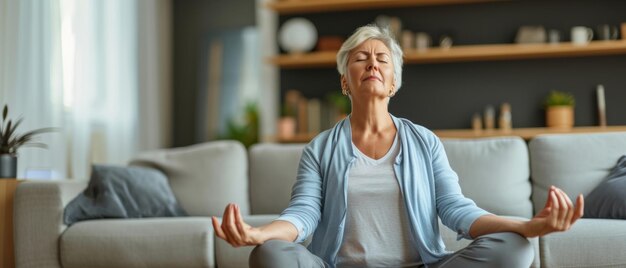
(372, 78)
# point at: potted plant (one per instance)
(10, 141)
(287, 122)
(560, 109)
(247, 131)
(340, 103)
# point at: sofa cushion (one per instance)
(204, 177)
(123, 192)
(576, 163)
(154, 242)
(589, 243)
(494, 172)
(608, 200)
(273, 170)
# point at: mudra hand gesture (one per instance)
(559, 214)
(234, 230)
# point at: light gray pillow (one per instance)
(123, 192)
(608, 200)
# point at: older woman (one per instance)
(372, 188)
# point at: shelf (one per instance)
(525, 133)
(309, 6)
(468, 53)
(298, 138)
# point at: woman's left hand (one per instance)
(558, 215)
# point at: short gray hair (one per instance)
(365, 33)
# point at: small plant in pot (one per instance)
(287, 122)
(340, 103)
(10, 141)
(560, 109)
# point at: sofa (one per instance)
(504, 175)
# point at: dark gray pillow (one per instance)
(123, 192)
(608, 200)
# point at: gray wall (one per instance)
(445, 95)
(192, 20)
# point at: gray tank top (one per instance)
(377, 229)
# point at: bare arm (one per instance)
(558, 215)
(238, 233)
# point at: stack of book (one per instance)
(313, 115)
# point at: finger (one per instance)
(232, 228)
(227, 215)
(240, 224)
(562, 210)
(218, 228)
(554, 212)
(580, 208)
(567, 199)
(570, 210)
(549, 200)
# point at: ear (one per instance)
(344, 82)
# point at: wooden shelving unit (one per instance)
(461, 53)
(524, 133)
(298, 138)
(468, 53)
(309, 6)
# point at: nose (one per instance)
(372, 65)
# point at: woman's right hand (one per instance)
(234, 230)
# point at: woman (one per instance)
(372, 188)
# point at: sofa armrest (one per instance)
(38, 221)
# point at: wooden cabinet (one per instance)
(7, 190)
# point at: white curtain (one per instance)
(30, 78)
(269, 101)
(77, 65)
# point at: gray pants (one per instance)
(493, 250)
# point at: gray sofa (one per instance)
(503, 175)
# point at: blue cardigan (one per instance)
(428, 184)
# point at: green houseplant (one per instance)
(10, 141)
(340, 103)
(247, 132)
(560, 109)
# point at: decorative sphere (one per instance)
(297, 35)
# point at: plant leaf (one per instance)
(36, 144)
(41, 130)
(7, 136)
(17, 142)
(10, 130)
(5, 112)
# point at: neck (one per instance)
(370, 117)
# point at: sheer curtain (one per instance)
(80, 67)
(30, 78)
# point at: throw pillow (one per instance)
(608, 200)
(123, 192)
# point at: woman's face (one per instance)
(370, 70)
